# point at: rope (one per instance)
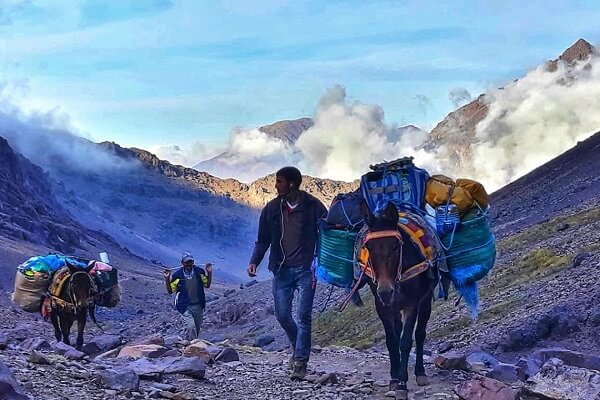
(328, 298)
(353, 225)
(343, 305)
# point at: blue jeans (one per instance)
(285, 283)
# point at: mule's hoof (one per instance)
(422, 380)
(402, 394)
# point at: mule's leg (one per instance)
(66, 321)
(420, 334)
(81, 319)
(54, 319)
(392, 340)
(410, 318)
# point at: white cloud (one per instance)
(534, 119)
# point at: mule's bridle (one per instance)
(380, 235)
(400, 277)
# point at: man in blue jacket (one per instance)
(188, 282)
(288, 226)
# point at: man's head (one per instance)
(187, 260)
(287, 179)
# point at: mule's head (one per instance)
(82, 288)
(385, 251)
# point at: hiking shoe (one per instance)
(299, 371)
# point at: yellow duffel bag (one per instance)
(476, 190)
(436, 194)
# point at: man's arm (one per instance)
(208, 275)
(264, 239)
(167, 275)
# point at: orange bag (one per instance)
(436, 194)
(476, 190)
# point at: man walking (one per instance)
(288, 225)
(188, 282)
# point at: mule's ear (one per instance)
(71, 267)
(90, 266)
(391, 213)
(366, 213)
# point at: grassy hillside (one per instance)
(540, 255)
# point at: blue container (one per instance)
(446, 219)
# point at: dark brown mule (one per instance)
(402, 301)
(72, 304)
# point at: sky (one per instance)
(149, 73)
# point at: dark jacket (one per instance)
(269, 229)
(182, 300)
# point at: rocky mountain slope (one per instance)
(288, 131)
(457, 131)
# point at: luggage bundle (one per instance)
(462, 223)
(34, 277)
(107, 281)
(337, 234)
(456, 212)
(399, 182)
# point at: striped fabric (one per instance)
(404, 187)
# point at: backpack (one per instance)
(399, 182)
(344, 212)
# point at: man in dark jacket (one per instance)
(188, 282)
(288, 226)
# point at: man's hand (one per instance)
(208, 268)
(252, 270)
(167, 273)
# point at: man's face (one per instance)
(188, 264)
(282, 186)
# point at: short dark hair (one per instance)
(291, 174)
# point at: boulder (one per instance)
(74, 354)
(142, 350)
(568, 357)
(264, 340)
(194, 367)
(502, 372)
(452, 361)
(62, 348)
(36, 343)
(109, 354)
(120, 379)
(174, 340)
(482, 388)
(228, 354)
(38, 358)
(205, 350)
(482, 357)
(155, 338)
(556, 380)
(9, 387)
(102, 344)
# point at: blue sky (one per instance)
(148, 73)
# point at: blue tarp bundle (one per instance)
(49, 264)
(470, 254)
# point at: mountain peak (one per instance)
(580, 50)
(288, 130)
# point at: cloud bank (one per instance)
(529, 122)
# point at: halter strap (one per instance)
(383, 234)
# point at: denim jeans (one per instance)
(285, 283)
